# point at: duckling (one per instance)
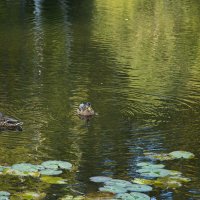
(9, 123)
(85, 109)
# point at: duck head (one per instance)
(85, 109)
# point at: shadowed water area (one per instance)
(137, 61)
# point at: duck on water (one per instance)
(9, 123)
(85, 111)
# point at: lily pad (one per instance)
(133, 196)
(181, 154)
(39, 167)
(150, 165)
(25, 167)
(160, 156)
(153, 173)
(164, 182)
(70, 197)
(53, 180)
(55, 164)
(4, 193)
(4, 198)
(100, 179)
(2, 168)
(20, 173)
(115, 189)
(118, 182)
(139, 188)
(50, 172)
(31, 195)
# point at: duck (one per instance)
(85, 109)
(9, 123)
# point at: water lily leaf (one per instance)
(164, 182)
(39, 167)
(55, 164)
(4, 193)
(50, 172)
(70, 197)
(64, 165)
(161, 156)
(153, 173)
(100, 179)
(53, 180)
(2, 168)
(139, 188)
(182, 154)
(118, 182)
(4, 198)
(31, 195)
(25, 167)
(143, 181)
(20, 173)
(150, 165)
(181, 179)
(133, 196)
(113, 189)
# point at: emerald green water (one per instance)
(137, 61)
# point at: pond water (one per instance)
(138, 62)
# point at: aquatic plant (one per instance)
(133, 196)
(170, 156)
(53, 180)
(56, 164)
(100, 179)
(4, 195)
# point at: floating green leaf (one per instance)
(31, 195)
(153, 173)
(181, 154)
(118, 182)
(70, 197)
(4, 193)
(150, 165)
(53, 180)
(139, 188)
(50, 172)
(164, 182)
(113, 189)
(133, 196)
(13, 172)
(2, 168)
(4, 198)
(25, 167)
(55, 164)
(161, 156)
(100, 179)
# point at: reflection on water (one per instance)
(136, 61)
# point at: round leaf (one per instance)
(50, 172)
(100, 179)
(25, 167)
(139, 188)
(113, 189)
(133, 196)
(4, 193)
(182, 154)
(118, 182)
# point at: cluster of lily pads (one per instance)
(52, 167)
(46, 171)
(170, 156)
(123, 189)
(154, 174)
(157, 175)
